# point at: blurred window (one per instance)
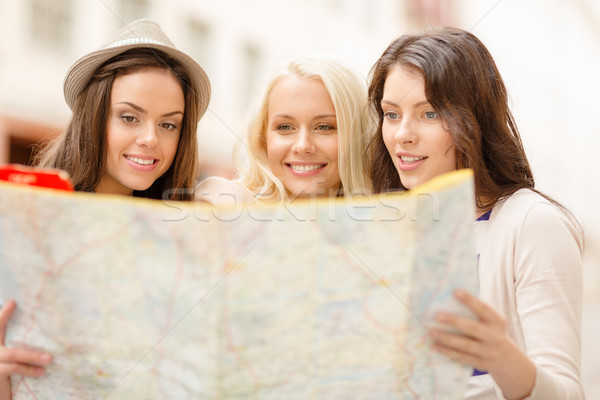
(130, 10)
(431, 12)
(251, 70)
(200, 36)
(51, 22)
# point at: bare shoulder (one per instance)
(220, 191)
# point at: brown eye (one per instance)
(168, 126)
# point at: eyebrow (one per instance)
(391, 103)
(324, 116)
(316, 116)
(140, 109)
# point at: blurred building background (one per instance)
(548, 52)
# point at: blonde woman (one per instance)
(306, 138)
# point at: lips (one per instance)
(409, 162)
(141, 160)
(305, 169)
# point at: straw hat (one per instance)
(142, 33)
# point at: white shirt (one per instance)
(530, 271)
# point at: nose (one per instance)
(303, 142)
(406, 132)
(147, 136)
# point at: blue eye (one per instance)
(325, 128)
(284, 127)
(390, 115)
(430, 115)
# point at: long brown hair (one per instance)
(464, 85)
(81, 149)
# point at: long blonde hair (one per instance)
(348, 95)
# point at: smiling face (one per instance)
(413, 133)
(302, 139)
(143, 129)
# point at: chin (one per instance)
(302, 193)
(140, 188)
(410, 183)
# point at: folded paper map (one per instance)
(328, 299)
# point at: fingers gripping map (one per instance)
(326, 299)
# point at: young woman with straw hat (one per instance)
(138, 86)
(136, 104)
